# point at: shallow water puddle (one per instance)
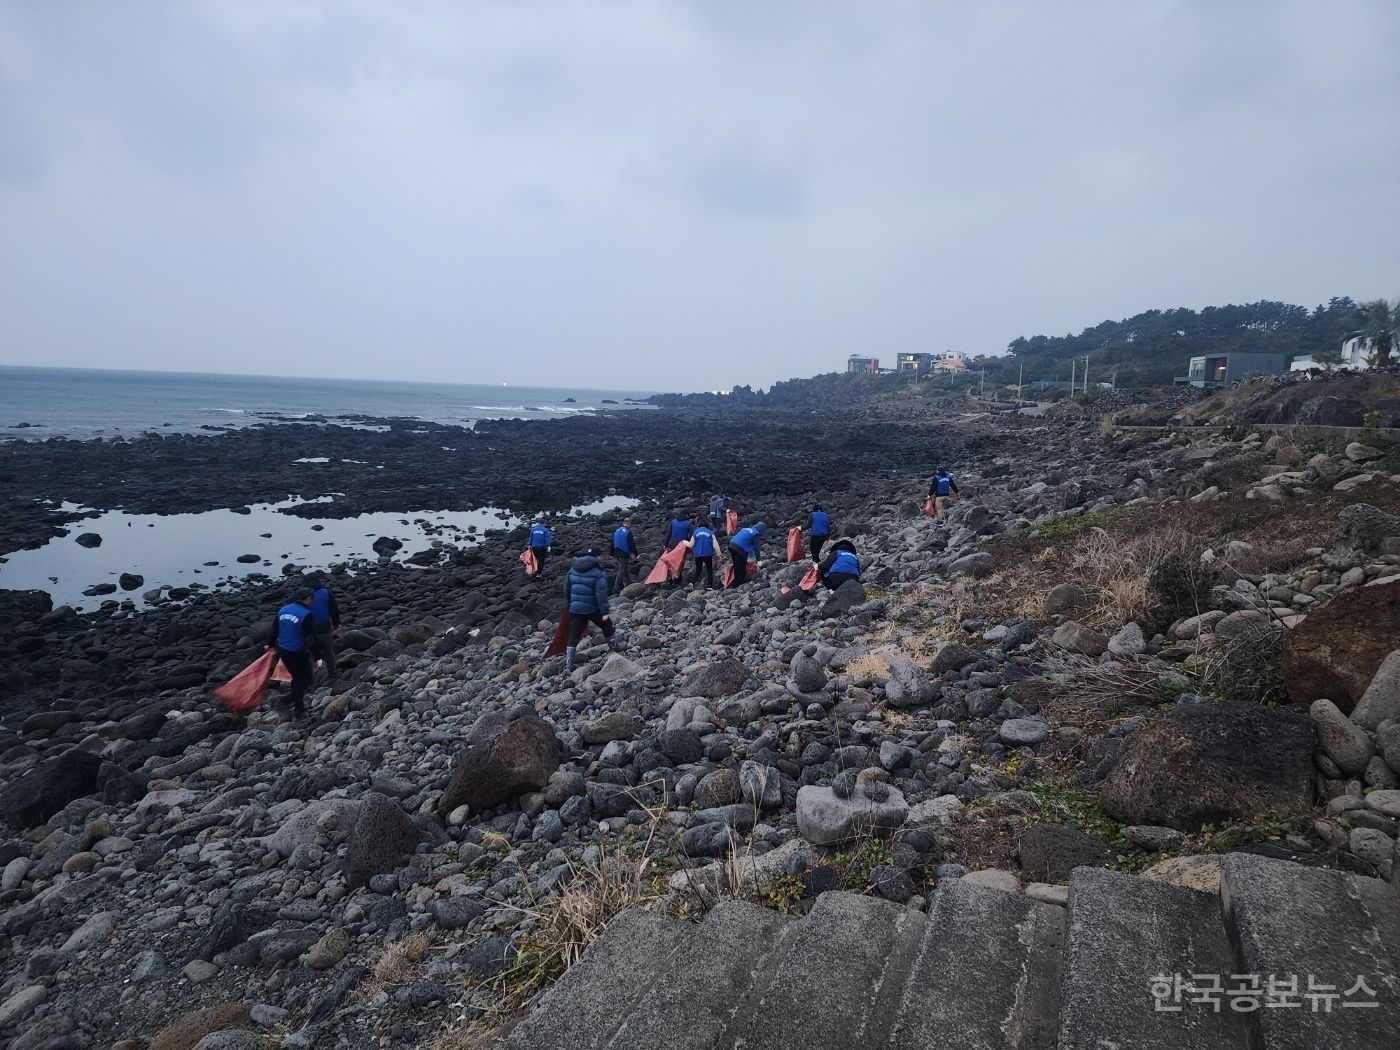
(177, 550)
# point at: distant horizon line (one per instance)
(320, 379)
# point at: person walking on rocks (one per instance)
(680, 530)
(293, 633)
(716, 511)
(540, 540)
(743, 548)
(841, 565)
(821, 531)
(586, 592)
(325, 619)
(944, 490)
(624, 549)
(702, 549)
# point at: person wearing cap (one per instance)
(586, 591)
(944, 490)
(540, 540)
(293, 635)
(841, 565)
(624, 549)
(821, 531)
(717, 509)
(325, 618)
(743, 548)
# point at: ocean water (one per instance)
(98, 403)
(202, 550)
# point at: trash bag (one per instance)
(729, 574)
(731, 522)
(246, 690)
(929, 508)
(669, 565)
(795, 551)
(531, 563)
(810, 579)
(560, 641)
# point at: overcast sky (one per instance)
(672, 195)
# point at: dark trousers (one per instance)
(298, 665)
(706, 562)
(624, 573)
(817, 543)
(541, 553)
(832, 580)
(578, 623)
(325, 647)
(741, 564)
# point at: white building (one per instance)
(1356, 348)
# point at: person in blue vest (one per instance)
(624, 549)
(540, 540)
(743, 548)
(293, 635)
(325, 618)
(680, 530)
(944, 490)
(841, 564)
(821, 531)
(586, 591)
(702, 549)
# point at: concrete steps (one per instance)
(989, 970)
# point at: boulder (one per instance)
(382, 836)
(88, 539)
(1074, 636)
(1336, 651)
(1341, 739)
(1381, 700)
(1063, 597)
(1359, 453)
(1127, 641)
(808, 675)
(507, 753)
(954, 656)
(1050, 851)
(615, 725)
(1023, 732)
(1366, 527)
(33, 798)
(908, 686)
(713, 680)
(1212, 762)
(615, 667)
(130, 581)
(825, 819)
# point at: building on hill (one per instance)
(917, 364)
(951, 362)
(1215, 370)
(1355, 357)
(858, 363)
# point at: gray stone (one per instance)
(720, 788)
(1063, 597)
(455, 913)
(1127, 641)
(824, 819)
(329, 950)
(761, 786)
(1049, 852)
(231, 1039)
(285, 945)
(22, 1003)
(615, 725)
(1023, 732)
(907, 686)
(91, 933)
(1375, 847)
(1074, 636)
(808, 676)
(1340, 739)
(382, 836)
(507, 753)
(1381, 701)
(1152, 836)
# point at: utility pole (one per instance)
(982, 390)
(1086, 373)
(1073, 374)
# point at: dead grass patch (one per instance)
(400, 963)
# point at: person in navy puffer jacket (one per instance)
(821, 531)
(586, 591)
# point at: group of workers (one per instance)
(303, 628)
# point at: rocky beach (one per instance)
(1130, 646)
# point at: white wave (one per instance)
(230, 411)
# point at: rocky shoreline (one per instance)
(992, 705)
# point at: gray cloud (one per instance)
(683, 195)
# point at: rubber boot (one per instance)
(569, 659)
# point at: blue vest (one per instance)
(292, 626)
(943, 485)
(821, 523)
(622, 539)
(845, 562)
(680, 530)
(539, 536)
(704, 543)
(321, 605)
(747, 541)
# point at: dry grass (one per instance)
(401, 962)
(1090, 691)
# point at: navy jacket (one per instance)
(324, 612)
(539, 536)
(942, 485)
(680, 529)
(821, 523)
(294, 628)
(586, 587)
